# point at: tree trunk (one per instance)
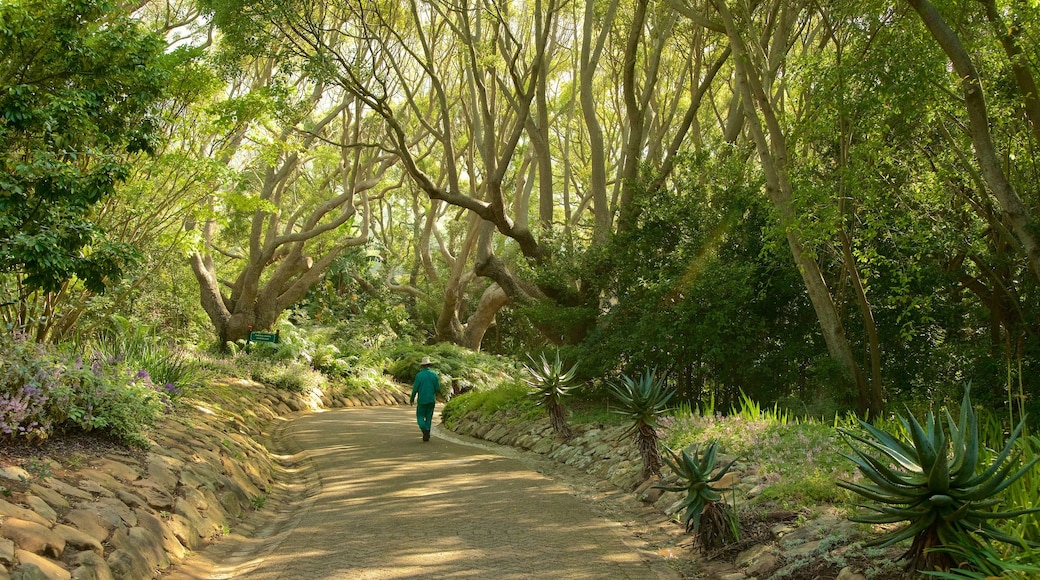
(771, 144)
(1011, 204)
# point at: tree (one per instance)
(80, 82)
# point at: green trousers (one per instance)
(424, 415)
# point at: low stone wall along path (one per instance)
(376, 502)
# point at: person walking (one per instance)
(426, 387)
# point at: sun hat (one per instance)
(426, 361)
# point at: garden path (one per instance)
(373, 501)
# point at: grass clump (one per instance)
(511, 397)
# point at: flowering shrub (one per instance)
(42, 391)
(27, 378)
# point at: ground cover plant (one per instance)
(46, 391)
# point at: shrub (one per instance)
(464, 368)
(289, 376)
(549, 385)
(644, 402)
(167, 366)
(932, 481)
(710, 518)
(42, 390)
(507, 397)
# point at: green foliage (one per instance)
(81, 80)
(935, 481)
(466, 369)
(698, 475)
(643, 402)
(290, 376)
(43, 390)
(508, 396)
(550, 384)
(984, 562)
(167, 365)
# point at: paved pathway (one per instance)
(382, 504)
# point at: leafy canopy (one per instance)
(79, 83)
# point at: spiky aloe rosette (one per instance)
(704, 512)
(934, 483)
(643, 401)
(550, 384)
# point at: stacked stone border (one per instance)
(133, 514)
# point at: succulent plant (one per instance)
(550, 384)
(934, 483)
(643, 401)
(710, 518)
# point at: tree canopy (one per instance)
(803, 201)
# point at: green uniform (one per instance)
(425, 387)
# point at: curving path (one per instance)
(372, 501)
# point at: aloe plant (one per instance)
(710, 518)
(550, 384)
(933, 481)
(643, 401)
(986, 563)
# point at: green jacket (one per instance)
(426, 385)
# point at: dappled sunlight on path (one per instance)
(382, 504)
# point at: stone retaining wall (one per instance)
(130, 515)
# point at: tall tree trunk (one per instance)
(1011, 204)
(771, 143)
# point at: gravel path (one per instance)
(370, 500)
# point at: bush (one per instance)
(464, 368)
(289, 376)
(168, 366)
(43, 391)
(506, 397)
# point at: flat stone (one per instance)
(143, 553)
(154, 495)
(802, 550)
(119, 470)
(188, 535)
(763, 566)
(90, 566)
(32, 537)
(6, 552)
(9, 510)
(41, 508)
(66, 489)
(14, 473)
(33, 567)
(847, 573)
(750, 555)
(729, 480)
(130, 499)
(99, 477)
(94, 488)
(163, 470)
(78, 540)
(162, 530)
(90, 522)
(53, 498)
(196, 521)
